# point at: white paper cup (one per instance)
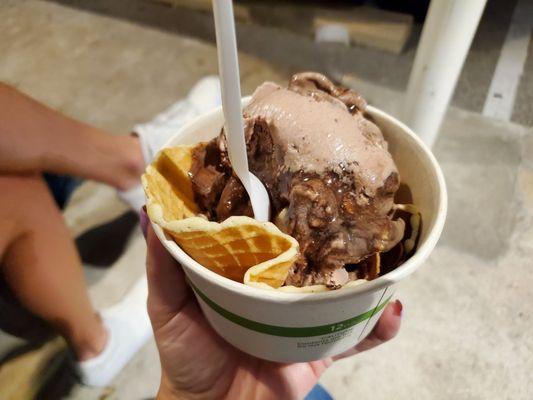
(297, 327)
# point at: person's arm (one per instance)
(35, 138)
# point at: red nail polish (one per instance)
(398, 308)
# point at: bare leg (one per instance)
(35, 138)
(41, 265)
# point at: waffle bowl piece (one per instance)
(240, 248)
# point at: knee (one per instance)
(5, 88)
(26, 189)
(25, 200)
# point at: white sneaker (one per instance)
(128, 327)
(204, 96)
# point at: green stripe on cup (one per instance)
(290, 331)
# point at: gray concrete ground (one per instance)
(295, 50)
(468, 313)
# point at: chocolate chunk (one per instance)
(233, 200)
(316, 85)
(207, 180)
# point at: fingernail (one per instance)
(144, 220)
(398, 308)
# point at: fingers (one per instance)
(167, 290)
(386, 328)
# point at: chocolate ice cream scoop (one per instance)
(327, 169)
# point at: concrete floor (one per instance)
(468, 313)
(294, 50)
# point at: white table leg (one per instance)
(446, 37)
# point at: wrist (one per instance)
(131, 163)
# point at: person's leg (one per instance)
(40, 263)
(35, 138)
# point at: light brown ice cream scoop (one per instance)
(315, 132)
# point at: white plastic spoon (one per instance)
(228, 68)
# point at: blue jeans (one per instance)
(61, 187)
(318, 393)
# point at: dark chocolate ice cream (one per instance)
(328, 172)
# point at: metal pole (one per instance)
(446, 37)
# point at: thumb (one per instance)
(386, 328)
(167, 289)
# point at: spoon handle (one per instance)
(228, 67)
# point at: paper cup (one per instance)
(297, 327)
